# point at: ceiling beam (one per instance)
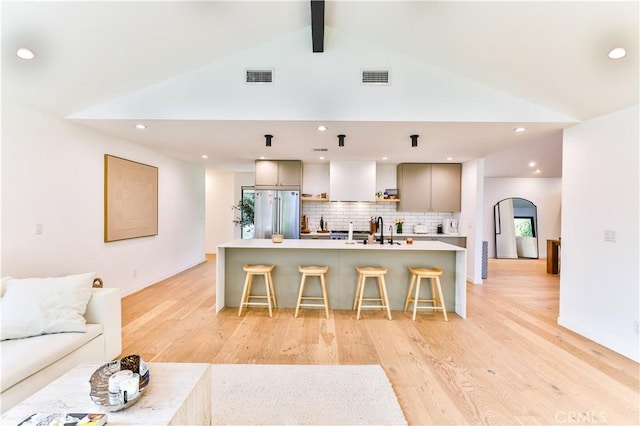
(317, 25)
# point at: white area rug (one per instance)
(251, 394)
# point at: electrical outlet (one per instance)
(38, 228)
(135, 273)
(636, 327)
(609, 235)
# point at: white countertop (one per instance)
(404, 234)
(410, 234)
(340, 245)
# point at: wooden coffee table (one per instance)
(178, 394)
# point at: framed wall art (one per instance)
(130, 199)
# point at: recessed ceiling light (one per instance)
(24, 53)
(449, 158)
(537, 171)
(532, 164)
(321, 158)
(519, 129)
(262, 157)
(385, 158)
(322, 128)
(205, 156)
(617, 53)
(141, 126)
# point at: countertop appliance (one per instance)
(450, 226)
(420, 229)
(277, 212)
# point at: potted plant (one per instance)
(399, 221)
(245, 212)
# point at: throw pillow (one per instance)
(34, 306)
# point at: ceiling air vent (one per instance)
(375, 76)
(320, 150)
(259, 76)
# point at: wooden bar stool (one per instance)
(313, 271)
(365, 272)
(265, 271)
(437, 302)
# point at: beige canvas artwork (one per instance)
(130, 199)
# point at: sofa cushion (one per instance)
(22, 358)
(34, 306)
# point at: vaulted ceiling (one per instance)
(463, 75)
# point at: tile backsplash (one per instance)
(340, 214)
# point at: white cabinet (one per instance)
(278, 173)
(315, 179)
(352, 180)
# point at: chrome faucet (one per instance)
(380, 226)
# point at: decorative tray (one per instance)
(100, 383)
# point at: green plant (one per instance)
(245, 212)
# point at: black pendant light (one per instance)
(341, 140)
(414, 140)
(268, 139)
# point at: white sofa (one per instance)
(31, 363)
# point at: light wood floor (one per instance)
(507, 363)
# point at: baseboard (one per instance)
(600, 339)
(470, 279)
(142, 286)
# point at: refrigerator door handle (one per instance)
(274, 216)
(277, 205)
(279, 215)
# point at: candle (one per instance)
(129, 388)
(116, 378)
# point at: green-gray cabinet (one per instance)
(425, 187)
(278, 173)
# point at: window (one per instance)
(524, 226)
(247, 229)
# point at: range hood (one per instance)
(352, 180)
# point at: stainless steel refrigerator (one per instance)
(277, 212)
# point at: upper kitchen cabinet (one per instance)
(278, 173)
(352, 180)
(429, 187)
(446, 181)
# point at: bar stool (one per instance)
(437, 303)
(265, 271)
(365, 272)
(313, 271)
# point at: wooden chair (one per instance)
(265, 271)
(365, 272)
(313, 271)
(436, 301)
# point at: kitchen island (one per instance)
(341, 257)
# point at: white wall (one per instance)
(418, 92)
(545, 193)
(223, 190)
(599, 285)
(53, 174)
(471, 216)
(220, 197)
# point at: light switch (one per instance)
(38, 228)
(609, 235)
